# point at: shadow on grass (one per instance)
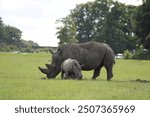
(99, 80)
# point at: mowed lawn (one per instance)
(20, 79)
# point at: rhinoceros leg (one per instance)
(62, 74)
(66, 75)
(96, 72)
(109, 71)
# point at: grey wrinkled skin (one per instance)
(70, 68)
(92, 55)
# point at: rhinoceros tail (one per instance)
(114, 61)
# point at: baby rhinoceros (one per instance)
(70, 68)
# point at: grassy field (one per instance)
(20, 79)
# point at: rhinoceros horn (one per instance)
(44, 70)
(47, 65)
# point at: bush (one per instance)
(127, 54)
(140, 53)
(27, 49)
(145, 55)
(5, 48)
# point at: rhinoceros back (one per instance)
(90, 54)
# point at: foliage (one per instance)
(10, 39)
(103, 21)
(5, 48)
(147, 42)
(21, 79)
(142, 54)
(29, 43)
(9, 35)
(27, 49)
(127, 54)
(143, 24)
(66, 32)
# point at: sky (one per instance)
(37, 18)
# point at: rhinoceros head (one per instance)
(51, 72)
(53, 69)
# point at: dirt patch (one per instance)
(142, 81)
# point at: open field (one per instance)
(21, 79)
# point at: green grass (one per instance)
(20, 79)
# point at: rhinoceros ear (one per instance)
(52, 51)
(44, 70)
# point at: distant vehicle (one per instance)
(119, 56)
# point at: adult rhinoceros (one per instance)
(91, 55)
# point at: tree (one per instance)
(143, 24)
(103, 21)
(67, 32)
(83, 20)
(1, 31)
(12, 35)
(119, 27)
(147, 42)
(10, 39)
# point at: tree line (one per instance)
(119, 25)
(10, 39)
